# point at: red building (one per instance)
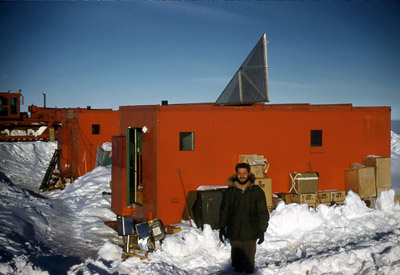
(204, 141)
(82, 131)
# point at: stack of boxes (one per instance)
(361, 180)
(303, 188)
(324, 197)
(259, 167)
(370, 178)
(337, 196)
(382, 171)
(330, 197)
(367, 180)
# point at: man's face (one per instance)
(242, 175)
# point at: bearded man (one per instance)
(243, 218)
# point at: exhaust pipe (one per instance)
(44, 100)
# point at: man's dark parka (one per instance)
(244, 212)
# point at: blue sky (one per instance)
(111, 54)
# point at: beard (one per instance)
(243, 182)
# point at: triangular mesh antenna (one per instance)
(250, 83)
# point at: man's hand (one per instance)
(222, 235)
(260, 238)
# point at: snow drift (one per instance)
(64, 231)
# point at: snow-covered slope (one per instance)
(25, 163)
(88, 206)
(51, 231)
(64, 231)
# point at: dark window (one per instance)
(3, 101)
(14, 106)
(186, 141)
(316, 138)
(3, 111)
(96, 129)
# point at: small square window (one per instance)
(316, 138)
(95, 129)
(186, 141)
(3, 101)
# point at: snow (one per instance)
(63, 231)
(210, 187)
(395, 159)
(106, 146)
(25, 163)
(29, 132)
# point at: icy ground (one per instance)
(63, 231)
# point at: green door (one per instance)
(134, 165)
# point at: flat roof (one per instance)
(259, 107)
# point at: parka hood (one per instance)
(233, 181)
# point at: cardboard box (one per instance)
(258, 164)
(266, 186)
(286, 197)
(382, 170)
(362, 181)
(257, 170)
(289, 198)
(173, 229)
(304, 198)
(303, 183)
(324, 197)
(253, 159)
(337, 196)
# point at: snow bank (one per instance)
(385, 200)
(190, 251)
(20, 214)
(30, 233)
(22, 267)
(25, 163)
(341, 239)
(84, 198)
(66, 226)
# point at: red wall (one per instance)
(77, 143)
(279, 132)
(137, 117)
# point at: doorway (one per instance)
(134, 166)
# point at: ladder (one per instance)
(54, 160)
